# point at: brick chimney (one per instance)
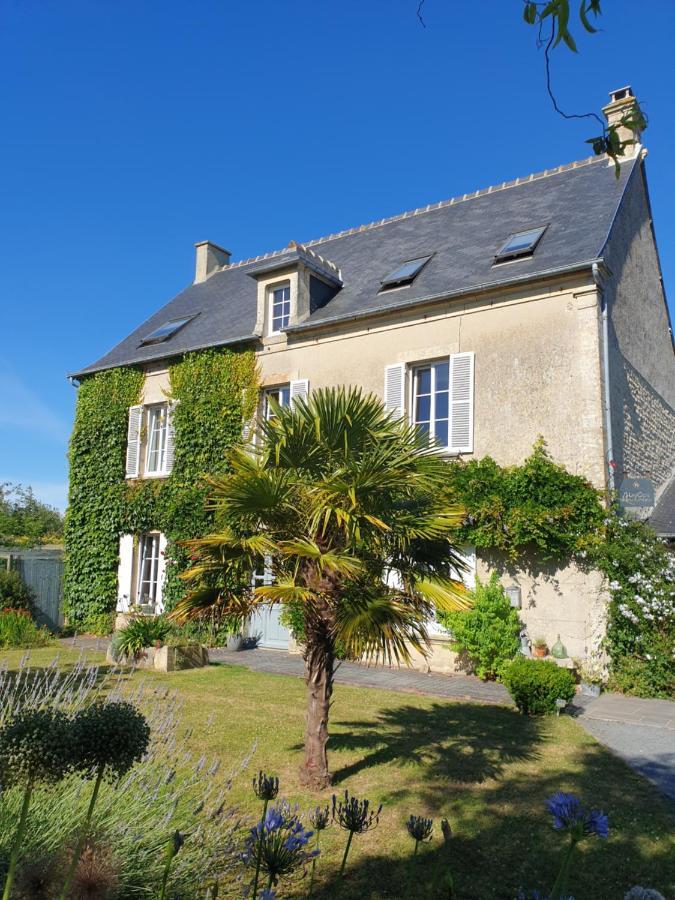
(209, 258)
(622, 101)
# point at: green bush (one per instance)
(489, 633)
(535, 685)
(141, 632)
(18, 629)
(14, 592)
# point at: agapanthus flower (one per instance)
(281, 841)
(419, 828)
(641, 893)
(569, 815)
(355, 815)
(266, 787)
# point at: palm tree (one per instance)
(350, 509)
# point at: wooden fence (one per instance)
(42, 570)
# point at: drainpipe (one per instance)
(597, 278)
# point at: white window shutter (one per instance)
(248, 429)
(394, 389)
(134, 440)
(124, 572)
(170, 438)
(161, 573)
(468, 557)
(461, 402)
(299, 390)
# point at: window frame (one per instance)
(155, 596)
(270, 391)
(271, 290)
(415, 369)
(150, 411)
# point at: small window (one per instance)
(280, 395)
(405, 274)
(157, 439)
(431, 395)
(280, 308)
(147, 584)
(165, 331)
(523, 243)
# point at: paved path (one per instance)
(454, 687)
(641, 732)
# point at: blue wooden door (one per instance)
(266, 627)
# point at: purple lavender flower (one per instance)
(569, 815)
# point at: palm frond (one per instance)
(382, 627)
(237, 606)
(446, 594)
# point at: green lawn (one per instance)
(486, 768)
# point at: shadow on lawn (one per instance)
(505, 842)
(448, 742)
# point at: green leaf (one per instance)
(583, 15)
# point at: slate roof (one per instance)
(578, 202)
(662, 518)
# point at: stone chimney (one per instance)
(622, 101)
(208, 259)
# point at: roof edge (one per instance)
(445, 295)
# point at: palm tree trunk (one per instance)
(319, 667)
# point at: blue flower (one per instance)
(267, 894)
(280, 841)
(569, 815)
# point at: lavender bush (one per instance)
(169, 790)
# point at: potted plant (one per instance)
(539, 647)
(592, 675)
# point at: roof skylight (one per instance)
(406, 273)
(522, 243)
(166, 331)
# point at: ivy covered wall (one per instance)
(216, 392)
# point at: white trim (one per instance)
(394, 389)
(271, 288)
(461, 400)
(134, 441)
(152, 412)
(124, 572)
(299, 389)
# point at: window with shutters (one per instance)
(279, 307)
(442, 401)
(150, 441)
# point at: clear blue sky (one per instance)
(131, 130)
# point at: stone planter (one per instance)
(166, 658)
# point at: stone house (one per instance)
(532, 307)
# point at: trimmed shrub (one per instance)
(17, 629)
(14, 592)
(536, 684)
(489, 633)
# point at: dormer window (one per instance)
(279, 307)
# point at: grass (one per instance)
(486, 768)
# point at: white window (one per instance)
(279, 307)
(281, 395)
(148, 570)
(157, 440)
(441, 400)
(431, 400)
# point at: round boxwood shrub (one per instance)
(535, 685)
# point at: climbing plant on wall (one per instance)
(96, 495)
(214, 391)
(537, 506)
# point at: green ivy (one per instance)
(538, 506)
(216, 391)
(97, 457)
